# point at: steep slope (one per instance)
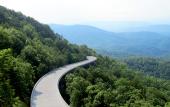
(28, 50)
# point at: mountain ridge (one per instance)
(145, 43)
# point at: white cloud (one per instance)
(77, 11)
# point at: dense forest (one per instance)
(157, 67)
(111, 84)
(28, 50)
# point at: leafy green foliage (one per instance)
(7, 93)
(150, 66)
(112, 84)
(28, 50)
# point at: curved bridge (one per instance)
(46, 91)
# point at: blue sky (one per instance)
(82, 11)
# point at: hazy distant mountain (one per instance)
(147, 43)
(91, 36)
(133, 26)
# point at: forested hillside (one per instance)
(111, 84)
(150, 66)
(28, 50)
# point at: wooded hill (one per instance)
(28, 50)
(112, 84)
